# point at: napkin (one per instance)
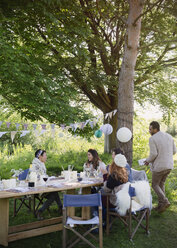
(87, 182)
(55, 185)
(19, 189)
(141, 162)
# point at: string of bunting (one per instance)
(27, 129)
(106, 128)
(110, 114)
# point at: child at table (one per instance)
(38, 166)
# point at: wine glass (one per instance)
(45, 178)
(87, 172)
(95, 173)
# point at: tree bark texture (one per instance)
(126, 78)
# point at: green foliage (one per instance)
(61, 151)
(52, 51)
(172, 130)
(5, 141)
(140, 139)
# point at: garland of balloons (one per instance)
(123, 134)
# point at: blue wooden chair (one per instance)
(140, 216)
(72, 224)
(25, 200)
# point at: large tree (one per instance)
(80, 47)
(126, 76)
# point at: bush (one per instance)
(172, 130)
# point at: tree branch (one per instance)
(94, 98)
(45, 39)
(150, 69)
(100, 47)
(145, 12)
(105, 98)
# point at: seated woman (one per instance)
(116, 151)
(94, 163)
(38, 166)
(113, 179)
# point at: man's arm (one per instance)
(153, 151)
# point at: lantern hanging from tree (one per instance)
(98, 133)
(106, 129)
(124, 134)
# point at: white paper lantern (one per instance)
(106, 129)
(124, 134)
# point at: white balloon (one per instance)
(106, 129)
(124, 134)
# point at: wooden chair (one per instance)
(73, 224)
(140, 216)
(25, 200)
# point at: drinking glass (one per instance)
(95, 173)
(45, 178)
(87, 172)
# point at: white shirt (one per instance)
(100, 167)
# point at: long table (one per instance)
(13, 233)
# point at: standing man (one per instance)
(162, 149)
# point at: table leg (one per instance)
(4, 221)
(86, 210)
(71, 210)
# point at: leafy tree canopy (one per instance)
(54, 53)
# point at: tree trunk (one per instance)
(126, 83)
(110, 140)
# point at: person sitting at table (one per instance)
(113, 179)
(116, 151)
(38, 166)
(94, 163)
(95, 166)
